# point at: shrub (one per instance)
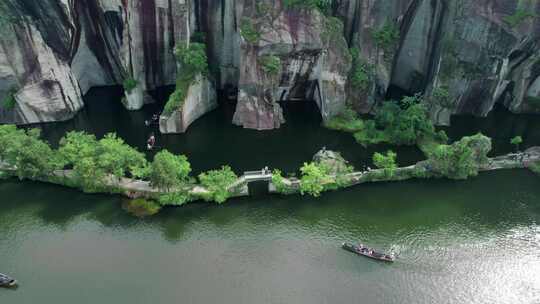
(129, 84)
(313, 179)
(217, 182)
(270, 64)
(346, 121)
(142, 207)
(178, 198)
(9, 100)
(277, 181)
(249, 32)
(386, 162)
(359, 76)
(387, 38)
(442, 97)
(516, 141)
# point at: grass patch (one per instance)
(346, 121)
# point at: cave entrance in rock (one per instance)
(395, 92)
(300, 104)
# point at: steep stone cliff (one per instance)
(477, 53)
(465, 55)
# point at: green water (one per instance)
(476, 241)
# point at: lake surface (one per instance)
(475, 241)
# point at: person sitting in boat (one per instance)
(153, 120)
(151, 142)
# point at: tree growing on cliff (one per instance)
(193, 62)
(516, 141)
(386, 162)
(249, 32)
(168, 171)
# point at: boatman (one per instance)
(151, 142)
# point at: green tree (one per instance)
(516, 141)
(94, 161)
(168, 171)
(24, 150)
(192, 57)
(462, 159)
(386, 162)
(217, 182)
(193, 61)
(313, 179)
(119, 159)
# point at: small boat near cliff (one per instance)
(368, 252)
(6, 281)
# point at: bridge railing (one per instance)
(258, 172)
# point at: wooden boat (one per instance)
(6, 281)
(368, 252)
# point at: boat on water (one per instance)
(368, 252)
(6, 281)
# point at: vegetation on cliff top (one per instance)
(129, 84)
(193, 61)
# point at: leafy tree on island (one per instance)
(217, 182)
(516, 141)
(313, 179)
(168, 171)
(386, 162)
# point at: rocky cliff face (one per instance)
(465, 55)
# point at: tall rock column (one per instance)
(313, 57)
